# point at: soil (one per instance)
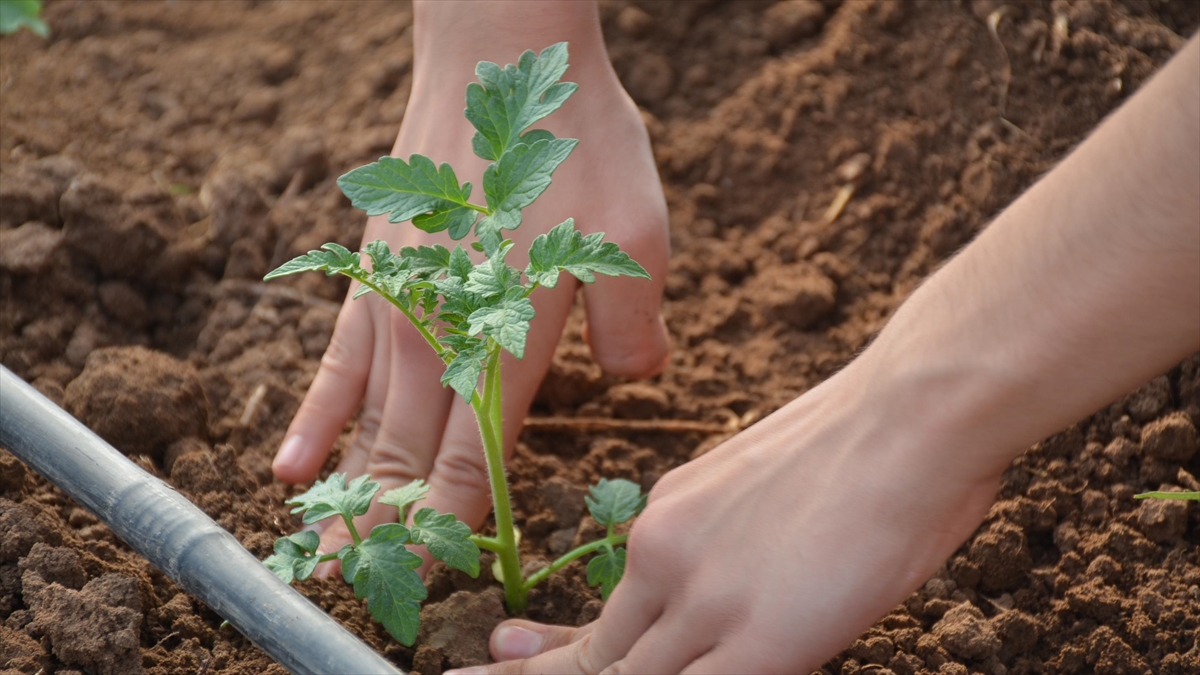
(158, 157)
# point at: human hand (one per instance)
(755, 557)
(410, 426)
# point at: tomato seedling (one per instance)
(18, 14)
(468, 313)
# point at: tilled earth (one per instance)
(156, 158)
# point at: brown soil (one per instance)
(157, 158)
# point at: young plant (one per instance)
(468, 313)
(18, 14)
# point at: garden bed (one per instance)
(156, 159)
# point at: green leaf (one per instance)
(460, 263)
(606, 570)
(17, 14)
(462, 374)
(428, 262)
(333, 497)
(447, 539)
(493, 277)
(384, 572)
(507, 100)
(332, 259)
(295, 556)
(506, 322)
(615, 501)
(457, 220)
(1169, 495)
(405, 496)
(566, 249)
(521, 176)
(405, 191)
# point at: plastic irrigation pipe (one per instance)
(178, 538)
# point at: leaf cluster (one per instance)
(611, 502)
(467, 310)
(380, 567)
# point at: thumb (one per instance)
(625, 328)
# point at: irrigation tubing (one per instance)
(178, 538)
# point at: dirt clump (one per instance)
(460, 626)
(96, 628)
(138, 399)
(29, 249)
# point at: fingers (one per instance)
(520, 639)
(629, 613)
(625, 327)
(396, 443)
(332, 398)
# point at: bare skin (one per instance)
(410, 426)
(850, 497)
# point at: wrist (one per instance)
(450, 37)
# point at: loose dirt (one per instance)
(819, 158)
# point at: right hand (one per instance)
(775, 550)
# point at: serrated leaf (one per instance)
(405, 190)
(18, 14)
(447, 539)
(457, 220)
(506, 322)
(384, 572)
(493, 277)
(332, 259)
(334, 497)
(460, 263)
(534, 135)
(428, 262)
(520, 176)
(506, 101)
(614, 501)
(606, 570)
(405, 496)
(566, 249)
(462, 374)
(295, 556)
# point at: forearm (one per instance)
(1084, 288)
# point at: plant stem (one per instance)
(327, 557)
(571, 556)
(412, 318)
(485, 543)
(353, 531)
(488, 412)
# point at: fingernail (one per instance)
(514, 642)
(288, 455)
(474, 670)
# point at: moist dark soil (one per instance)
(156, 158)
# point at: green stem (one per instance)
(571, 556)
(485, 543)
(478, 208)
(353, 531)
(412, 318)
(327, 557)
(491, 427)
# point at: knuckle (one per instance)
(392, 458)
(463, 470)
(338, 356)
(585, 656)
